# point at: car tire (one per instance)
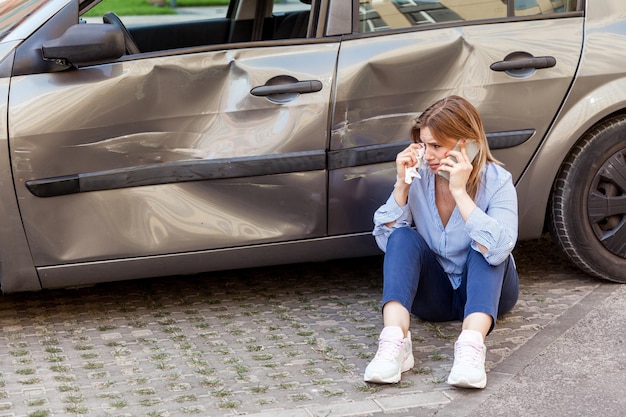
(588, 203)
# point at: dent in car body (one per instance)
(360, 124)
(136, 114)
(383, 80)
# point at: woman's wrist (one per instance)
(401, 192)
(400, 183)
(464, 203)
(459, 193)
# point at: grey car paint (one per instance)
(598, 91)
(380, 87)
(168, 163)
(159, 112)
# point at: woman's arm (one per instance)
(395, 212)
(495, 229)
(388, 217)
(409, 157)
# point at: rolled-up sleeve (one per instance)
(388, 213)
(496, 227)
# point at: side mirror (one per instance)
(86, 44)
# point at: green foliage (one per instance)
(144, 7)
(128, 8)
(200, 3)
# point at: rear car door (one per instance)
(514, 60)
(170, 151)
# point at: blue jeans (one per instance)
(413, 277)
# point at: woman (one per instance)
(456, 263)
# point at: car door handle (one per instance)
(298, 87)
(525, 63)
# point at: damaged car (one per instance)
(265, 132)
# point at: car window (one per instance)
(162, 28)
(12, 12)
(376, 15)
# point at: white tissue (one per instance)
(411, 172)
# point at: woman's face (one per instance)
(434, 151)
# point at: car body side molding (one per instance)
(180, 171)
(253, 166)
(375, 154)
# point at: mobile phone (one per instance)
(471, 147)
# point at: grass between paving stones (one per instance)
(231, 346)
(199, 350)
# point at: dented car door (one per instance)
(177, 153)
(516, 72)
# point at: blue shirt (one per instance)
(493, 223)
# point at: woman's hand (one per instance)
(406, 159)
(459, 175)
(459, 170)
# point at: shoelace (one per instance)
(468, 353)
(388, 348)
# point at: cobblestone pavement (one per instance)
(282, 341)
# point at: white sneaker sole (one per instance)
(465, 383)
(407, 365)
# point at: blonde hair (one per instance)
(453, 118)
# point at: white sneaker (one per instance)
(394, 356)
(468, 370)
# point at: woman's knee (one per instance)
(401, 234)
(404, 238)
(476, 259)
(477, 266)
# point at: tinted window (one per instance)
(378, 15)
(164, 28)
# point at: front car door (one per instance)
(514, 60)
(172, 151)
